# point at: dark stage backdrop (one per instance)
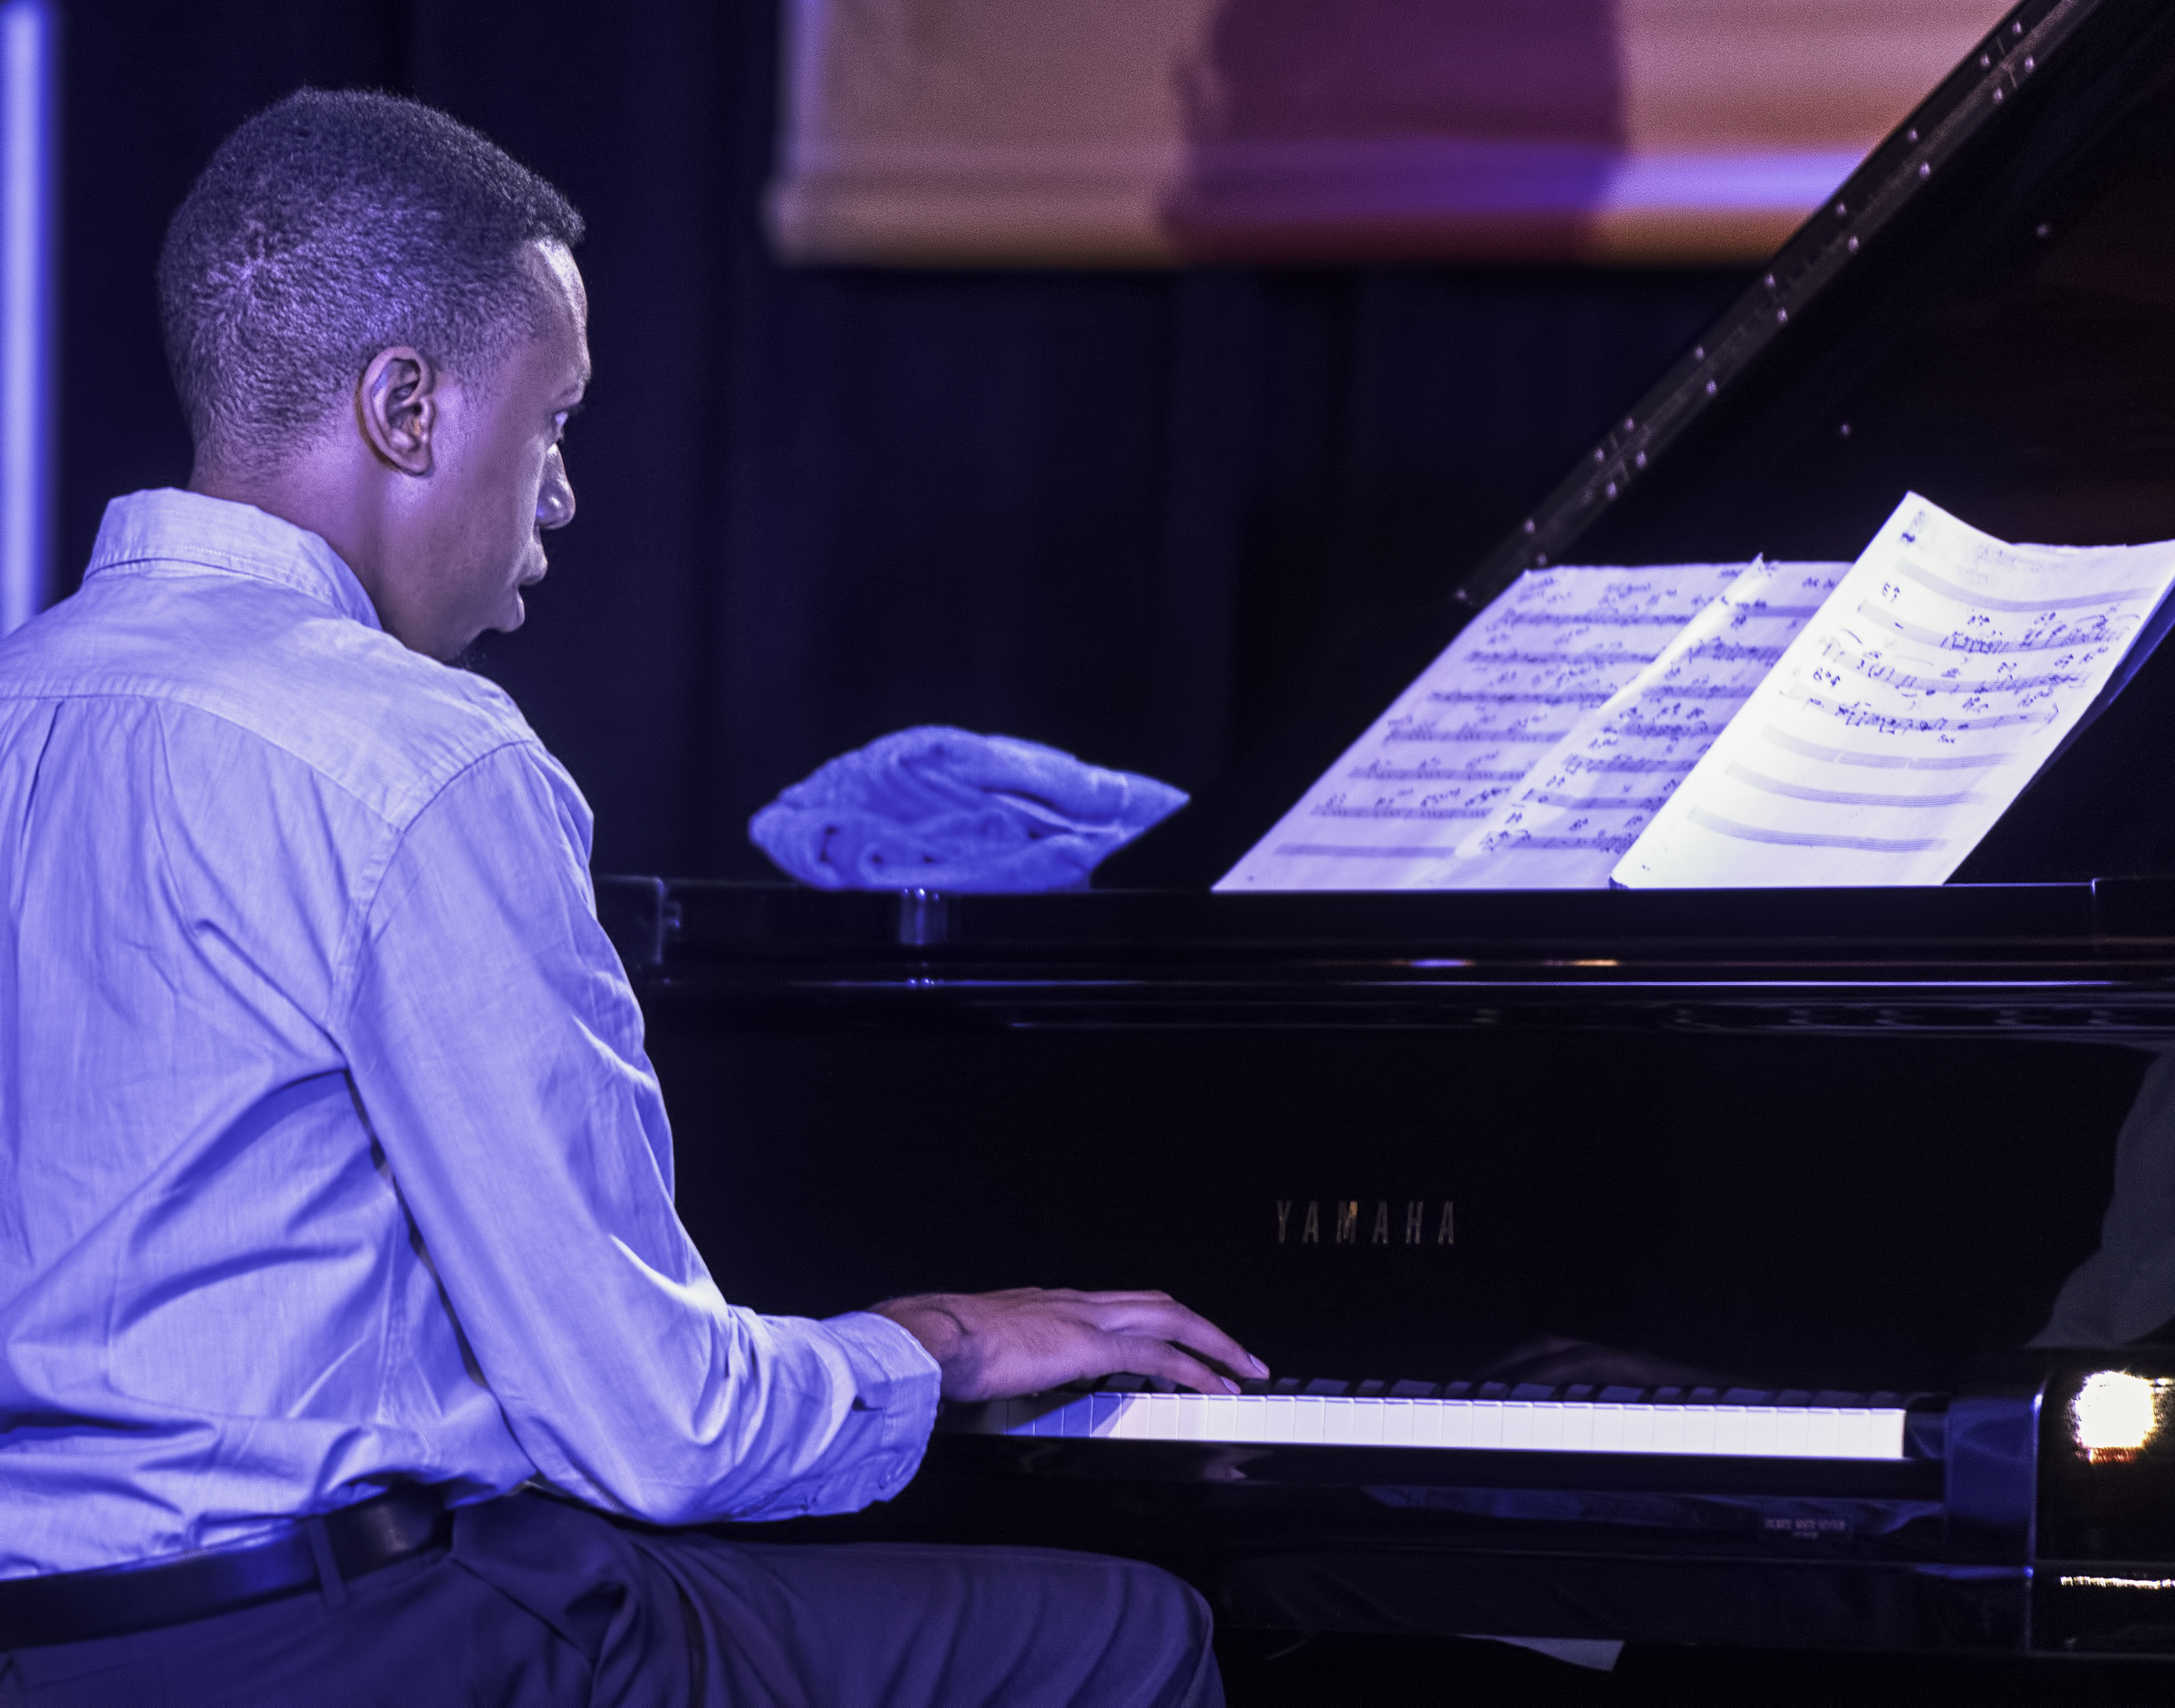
(1125, 512)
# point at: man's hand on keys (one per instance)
(1028, 1339)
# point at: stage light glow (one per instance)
(2115, 1414)
(29, 37)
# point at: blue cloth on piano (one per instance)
(936, 808)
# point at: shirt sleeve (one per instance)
(496, 1048)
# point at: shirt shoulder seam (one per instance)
(421, 790)
(347, 964)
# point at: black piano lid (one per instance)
(1984, 314)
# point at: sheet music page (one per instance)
(1586, 800)
(1908, 715)
(1560, 643)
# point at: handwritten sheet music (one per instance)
(1906, 717)
(1587, 798)
(1390, 814)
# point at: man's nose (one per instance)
(555, 497)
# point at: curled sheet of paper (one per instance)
(1390, 813)
(1587, 799)
(1906, 717)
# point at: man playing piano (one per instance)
(349, 1343)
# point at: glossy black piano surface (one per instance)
(1848, 1140)
(1828, 1139)
(1995, 1527)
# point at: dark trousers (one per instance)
(540, 1603)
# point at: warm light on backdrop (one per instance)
(1092, 131)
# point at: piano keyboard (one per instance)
(1704, 1421)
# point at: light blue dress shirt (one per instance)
(329, 1154)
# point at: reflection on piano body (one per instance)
(1835, 1142)
(2024, 1512)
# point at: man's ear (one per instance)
(397, 404)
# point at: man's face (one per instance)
(498, 479)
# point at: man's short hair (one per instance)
(328, 227)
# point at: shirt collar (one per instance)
(172, 526)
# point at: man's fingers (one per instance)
(1166, 1319)
(1029, 1339)
(1159, 1359)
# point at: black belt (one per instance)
(318, 1553)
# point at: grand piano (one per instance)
(1828, 1153)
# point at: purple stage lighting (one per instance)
(29, 87)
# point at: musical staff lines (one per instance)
(1587, 801)
(1556, 647)
(1945, 652)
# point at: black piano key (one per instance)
(1582, 1391)
(1667, 1396)
(1123, 1383)
(1794, 1396)
(1884, 1401)
(1836, 1397)
(1704, 1396)
(1748, 1396)
(1493, 1390)
(1285, 1384)
(1370, 1390)
(1532, 1391)
(1414, 1390)
(1623, 1396)
(1325, 1385)
(1458, 1391)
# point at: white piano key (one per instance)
(1497, 1425)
